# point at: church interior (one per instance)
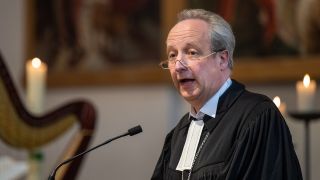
(102, 78)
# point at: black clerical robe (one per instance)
(249, 139)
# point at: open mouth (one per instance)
(183, 81)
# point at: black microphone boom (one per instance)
(135, 130)
(132, 131)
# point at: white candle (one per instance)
(36, 83)
(306, 94)
(281, 106)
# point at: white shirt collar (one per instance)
(210, 107)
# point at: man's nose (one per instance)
(180, 65)
(180, 62)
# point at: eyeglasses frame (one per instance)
(162, 63)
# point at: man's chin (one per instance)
(187, 95)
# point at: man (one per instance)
(230, 133)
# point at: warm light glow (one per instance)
(36, 62)
(306, 91)
(306, 80)
(277, 101)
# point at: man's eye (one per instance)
(171, 56)
(193, 53)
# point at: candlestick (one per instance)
(306, 117)
(281, 106)
(36, 81)
(306, 94)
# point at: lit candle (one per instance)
(36, 83)
(281, 106)
(306, 93)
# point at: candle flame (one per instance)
(36, 62)
(277, 101)
(306, 80)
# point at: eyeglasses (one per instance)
(190, 58)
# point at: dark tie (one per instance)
(205, 118)
(193, 118)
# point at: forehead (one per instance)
(190, 31)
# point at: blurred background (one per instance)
(122, 97)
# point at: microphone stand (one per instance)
(131, 132)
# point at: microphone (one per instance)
(132, 131)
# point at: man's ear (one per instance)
(224, 59)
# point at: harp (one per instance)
(21, 129)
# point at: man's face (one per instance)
(199, 80)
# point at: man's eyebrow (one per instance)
(193, 44)
(190, 44)
(169, 48)
(187, 45)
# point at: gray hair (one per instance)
(222, 37)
